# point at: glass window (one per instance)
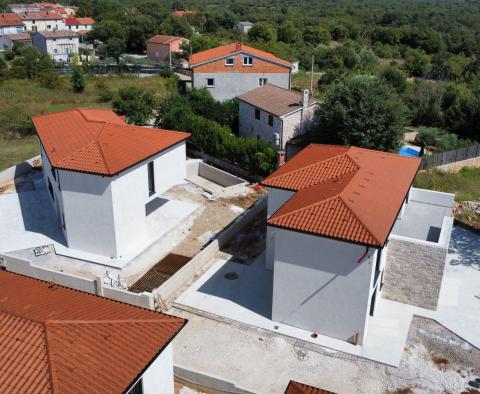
(229, 61)
(257, 113)
(270, 120)
(151, 179)
(247, 60)
(137, 389)
(262, 81)
(210, 82)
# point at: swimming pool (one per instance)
(405, 151)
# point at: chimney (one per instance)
(238, 47)
(305, 97)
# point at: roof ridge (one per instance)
(165, 319)
(51, 365)
(100, 146)
(305, 207)
(316, 164)
(358, 219)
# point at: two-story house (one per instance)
(345, 228)
(59, 44)
(80, 25)
(38, 21)
(105, 176)
(10, 23)
(275, 114)
(160, 48)
(231, 70)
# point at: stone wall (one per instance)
(413, 273)
(458, 165)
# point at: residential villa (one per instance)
(8, 41)
(10, 23)
(59, 44)
(275, 114)
(231, 70)
(58, 340)
(65, 11)
(160, 48)
(243, 26)
(104, 177)
(79, 25)
(345, 228)
(38, 21)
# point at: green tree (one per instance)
(31, 62)
(262, 31)
(77, 80)
(200, 43)
(140, 29)
(289, 33)
(362, 111)
(416, 62)
(113, 48)
(316, 35)
(85, 8)
(395, 78)
(176, 26)
(135, 103)
(108, 29)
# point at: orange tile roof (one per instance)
(347, 193)
(10, 19)
(58, 340)
(98, 141)
(161, 39)
(73, 21)
(40, 15)
(231, 49)
(300, 388)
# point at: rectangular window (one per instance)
(151, 179)
(49, 26)
(54, 174)
(379, 259)
(270, 120)
(229, 61)
(262, 81)
(210, 82)
(257, 114)
(247, 61)
(50, 189)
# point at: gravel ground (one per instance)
(434, 361)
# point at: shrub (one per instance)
(50, 80)
(78, 80)
(136, 104)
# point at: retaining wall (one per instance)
(457, 166)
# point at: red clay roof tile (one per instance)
(10, 19)
(300, 388)
(60, 340)
(347, 193)
(98, 141)
(161, 39)
(230, 49)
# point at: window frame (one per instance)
(248, 63)
(262, 81)
(151, 178)
(209, 85)
(229, 64)
(270, 120)
(257, 111)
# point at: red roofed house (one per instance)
(160, 48)
(7, 41)
(231, 70)
(79, 25)
(58, 340)
(10, 23)
(338, 218)
(104, 176)
(38, 21)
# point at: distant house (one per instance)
(160, 47)
(59, 44)
(38, 21)
(10, 23)
(104, 176)
(275, 114)
(8, 41)
(64, 11)
(346, 228)
(231, 70)
(183, 12)
(58, 340)
(243, 26)
(80, 25)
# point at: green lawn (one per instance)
(16, 151)
(465, 184)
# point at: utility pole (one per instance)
(311, 76)
(170, 52)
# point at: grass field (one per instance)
(16, 151)
(465, 184)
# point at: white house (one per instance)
(80, 25)
(61, 340)
(338, 218)
(43, 6)
(231, 70)
(243, 26)
(275, 114)
(38, 21)
(7, 41)
(104, 176)
(59, 44)
(10, 24)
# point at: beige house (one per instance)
(160, 48)
(59, 44)
(275, 114)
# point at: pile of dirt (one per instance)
(468, 213)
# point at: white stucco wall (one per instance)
(276, 198)
(44, 25)
(59, 49)
(319, 286)
(158, 378)
(106, 215)
(11, 30)
(231, 85)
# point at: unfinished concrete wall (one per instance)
(414, 272)
(220, 177)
